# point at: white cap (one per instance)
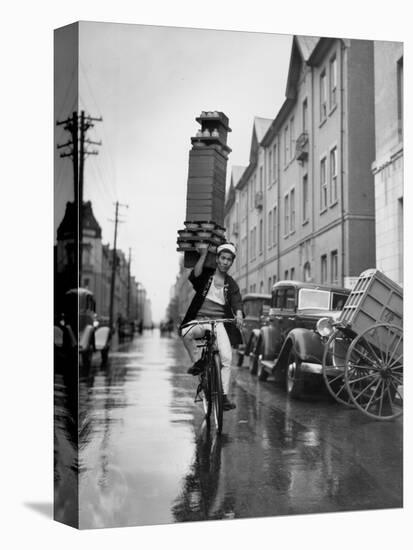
(228, 247)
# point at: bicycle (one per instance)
(210, 385)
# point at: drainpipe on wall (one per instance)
(313, 185)
(247, 242)
(278, 206)
(342, 50)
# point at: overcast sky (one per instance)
(149, 83)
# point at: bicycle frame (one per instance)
(210, 378)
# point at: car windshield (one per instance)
(314, 299)
(252, 308)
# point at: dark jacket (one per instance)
(232, 295)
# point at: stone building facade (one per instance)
(305, 203)
(388, 165)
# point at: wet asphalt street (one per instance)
(147, 458)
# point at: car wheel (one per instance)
(253, 359)
(104, 355)
(87, 358)
(293, 376)
(240, 359)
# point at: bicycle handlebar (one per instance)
(207, 322)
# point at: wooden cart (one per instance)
(363, 357)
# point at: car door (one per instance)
(282, 313)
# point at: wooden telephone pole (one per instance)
(114, 262)
(77, 150)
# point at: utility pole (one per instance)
(128, 297)
(78, 152)
(113, 278)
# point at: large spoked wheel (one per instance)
(334, 364)
(216, 393)
(294, 381)
(374, 371)
(253, 358)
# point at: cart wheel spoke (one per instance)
(363, 391)
(355, 380)
(395, 363)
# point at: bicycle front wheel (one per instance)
(206, 394)
(216, 393)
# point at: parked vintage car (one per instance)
(92, 335)
(256, 308)
(289, 346)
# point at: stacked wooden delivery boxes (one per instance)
(205, 201)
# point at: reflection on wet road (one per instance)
(147, 458)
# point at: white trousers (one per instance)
(224, 347)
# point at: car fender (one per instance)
(271, 342)
(255, 334)
(307, 344)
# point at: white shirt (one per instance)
(216, 294)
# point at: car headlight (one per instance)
(324, 327)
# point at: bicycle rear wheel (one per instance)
(217, 393)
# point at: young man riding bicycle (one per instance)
(217, 296)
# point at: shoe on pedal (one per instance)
(227, 404)
(196, 368)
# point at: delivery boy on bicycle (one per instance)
(217, 296)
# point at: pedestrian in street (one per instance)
(217, 296)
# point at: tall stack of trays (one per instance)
(205, 200)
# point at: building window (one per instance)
(323, 96)
(323, 269)
(274, 226)
(275, 161)
(400, 97)
(274, 279)
(261, 174)
(261, 236)
(323, 185)
(286, 215)
(334, 267)
(269, 285)
(333, 175)
(269, 168)
(285, 146)
(292, 210)
(292, 149)
(305, 198)
(292, 274)
(333, 82)
(270, 229)
(305, 115)
(286, 274)
(262, 287)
